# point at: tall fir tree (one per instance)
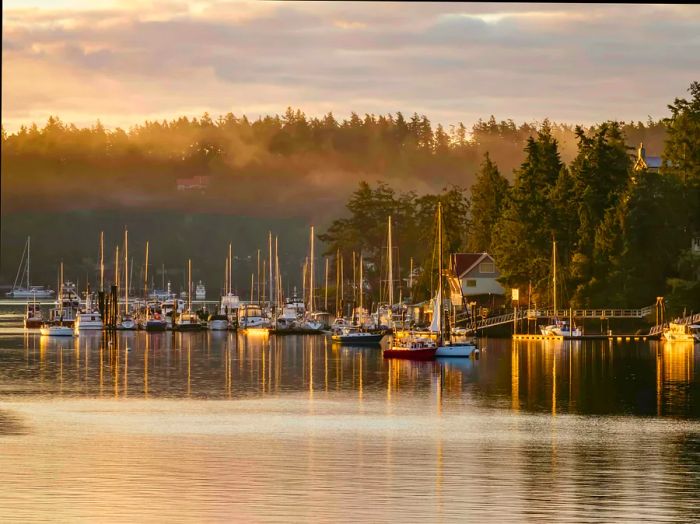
(487, 197)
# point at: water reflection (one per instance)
(301, 429)
(588, 377)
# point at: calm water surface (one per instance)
(213, 427)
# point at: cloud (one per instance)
(123, 62)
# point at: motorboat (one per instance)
(88, 318)
(353, 336)
(187, 321)
(217, 322)
(560, 328)
(252, 316)
(412, 348)
(126, 323)
(677, 332)
(48, 330)
(456, 349)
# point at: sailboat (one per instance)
(311, 320)
(558, 328)
(355, 334)
(18, 291)
(414, 346)
(57, 328)
(188, 320)
(126, 322)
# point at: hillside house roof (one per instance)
(465, 262)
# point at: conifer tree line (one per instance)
(623, 236)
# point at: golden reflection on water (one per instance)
(346, 434)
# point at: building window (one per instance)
(471, 282)
(487, 267)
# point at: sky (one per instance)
(127, 61)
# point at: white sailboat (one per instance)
(558, 328)
(28, 291)
(446, 346)
(311, 320)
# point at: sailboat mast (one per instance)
(325, 301)
(230, 267)
(145, 282)
(311, 274)
(439, 304)
(126, 272)
(116, 273)
(269, 241)
(29, 250)
(60, 286)
(410, 279)
(337, 283)
(361, 286)
(390, 275)
(554, 278)
(102, 261)
(278, 291)
(189, 285)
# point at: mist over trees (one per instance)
(511, 189)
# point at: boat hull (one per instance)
(56, 331)
(32, 323)
(410, 354)
(355, 340)
(456, 350)
(155, 325)
(218, 325)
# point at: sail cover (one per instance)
(437, 312)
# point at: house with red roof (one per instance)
(477, 273)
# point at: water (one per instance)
(213, 427)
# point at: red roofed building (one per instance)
(477, 273)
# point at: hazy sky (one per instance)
(127, 61)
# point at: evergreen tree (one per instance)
(487, 196)
(522, 238)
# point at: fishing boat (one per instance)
(187, 321)
(67, 304)
(154, 320)
(88, 317)
(251, 316)
(171, 308)
(33, 317)
(676, 332)
(27, 291)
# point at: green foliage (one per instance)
(487, 196)
(524, 232)
(364, 231)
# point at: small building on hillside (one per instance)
(194, 183)
(646, 163)
(477, 273)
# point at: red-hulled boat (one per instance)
(412, 348)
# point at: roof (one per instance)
(653, 161)
(465, 262)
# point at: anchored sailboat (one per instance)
(28, 291)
